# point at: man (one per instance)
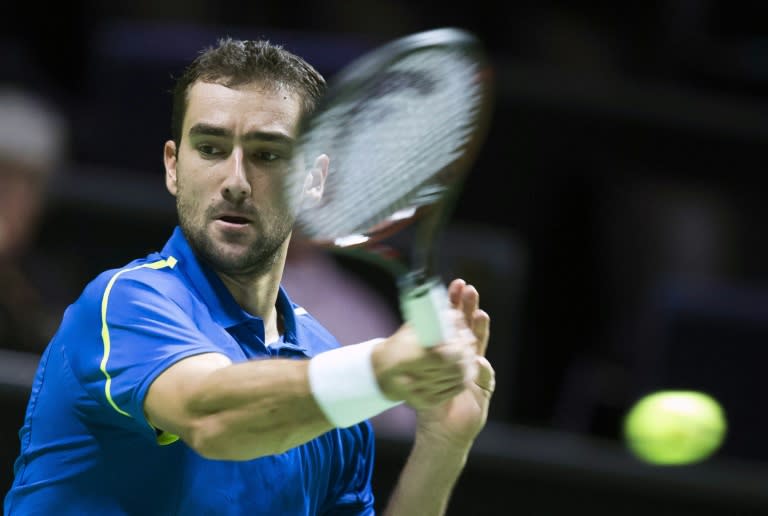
(187, 382)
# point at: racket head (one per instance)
(392, 138)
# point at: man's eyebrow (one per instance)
(208, 130)
(265, 136)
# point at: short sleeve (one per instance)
(144, 330)
(354, 494)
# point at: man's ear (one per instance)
(170, 160)
(314, 183)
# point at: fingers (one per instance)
(422, 376)
(481, 327)
(466, 298)
(454, 291)
(470, 301)
(424, 392)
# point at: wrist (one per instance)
(434, 434)
(383, 369)
(442, 456)
(438, 443)
(345, 386)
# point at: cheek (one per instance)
(269, 188)
(191, 200)
(186, 185)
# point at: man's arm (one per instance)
(263, 407)
(427, 480)
(236, 411)
(446, 432)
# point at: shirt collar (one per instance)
(209, 287)
(287, 309)
(219, 300)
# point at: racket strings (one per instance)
(392, 139)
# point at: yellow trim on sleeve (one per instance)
(166, 438)
(160, 264)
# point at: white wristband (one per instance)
(344, 384)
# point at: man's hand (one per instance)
(447, 429)
(422, 376)
(458, 420)
(450, 385)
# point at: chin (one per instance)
(219, 252)
(230, 257)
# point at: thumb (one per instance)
(486, 376)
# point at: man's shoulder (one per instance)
(153, 273)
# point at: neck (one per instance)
(257, 294)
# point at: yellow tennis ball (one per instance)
(675, 427)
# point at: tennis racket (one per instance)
(396, 133)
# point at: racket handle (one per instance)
(424, 306)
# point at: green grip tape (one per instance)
(424, 307)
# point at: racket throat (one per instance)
(423, 295)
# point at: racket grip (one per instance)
(425, 306)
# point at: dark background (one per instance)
(613, 221)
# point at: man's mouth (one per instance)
(234, 219)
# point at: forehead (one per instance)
(244, 108)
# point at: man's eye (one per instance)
(206, 149)
(266, 156)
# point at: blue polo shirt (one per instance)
(86, 447)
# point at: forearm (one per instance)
(427, 479)
(252, 409)
(264, 407)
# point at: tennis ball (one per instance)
(674, 427)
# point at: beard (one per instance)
(235, 256)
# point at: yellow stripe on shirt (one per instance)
(160, 264)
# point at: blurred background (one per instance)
(613, 221)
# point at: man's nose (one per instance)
(236, 186)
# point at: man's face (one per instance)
(227, 175)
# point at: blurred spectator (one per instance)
(351, 308)
(33, 139)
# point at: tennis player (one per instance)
(187, 382)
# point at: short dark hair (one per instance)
(233, 62)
